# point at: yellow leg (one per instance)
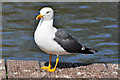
(52, 70)
(49, 66)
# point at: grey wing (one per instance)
(67, 42)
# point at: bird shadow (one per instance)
(67, 64)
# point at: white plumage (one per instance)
(54, 41)
(45, 33)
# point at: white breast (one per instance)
(44, 39)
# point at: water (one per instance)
(94, 25)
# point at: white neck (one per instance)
(45, 23)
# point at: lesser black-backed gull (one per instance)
(55, 41)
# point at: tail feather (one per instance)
(89, 51)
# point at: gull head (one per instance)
(46, 13)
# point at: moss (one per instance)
(6, 74)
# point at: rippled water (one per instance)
(95, 25)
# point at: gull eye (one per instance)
(47, 12)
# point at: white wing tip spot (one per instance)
(83, 48)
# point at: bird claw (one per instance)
(51, 70)
(48, 67)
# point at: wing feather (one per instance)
(67, 42)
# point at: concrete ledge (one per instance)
(96, 70)
(2, 69)
(31, 70)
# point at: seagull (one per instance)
(55, 41)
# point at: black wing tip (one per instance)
(90, 51)
(96, 50)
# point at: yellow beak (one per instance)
(39, 16)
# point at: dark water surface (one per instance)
(95, 25)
